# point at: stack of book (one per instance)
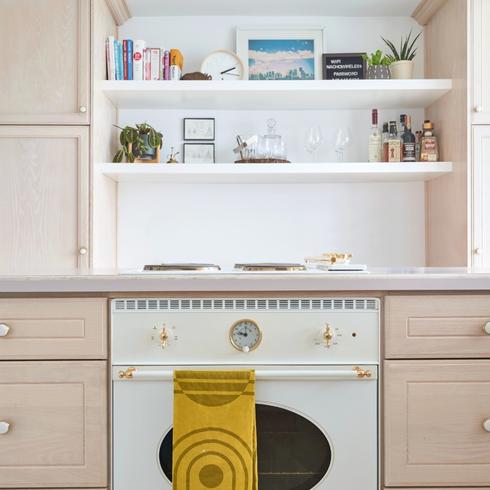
(132, 60)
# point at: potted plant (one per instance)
(378, 66)
(401, 66)
(140, 144)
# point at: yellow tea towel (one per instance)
(214, 437)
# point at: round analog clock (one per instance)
(245, 335)
(223, 65)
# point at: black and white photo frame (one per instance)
(199, 129)
(199, 153)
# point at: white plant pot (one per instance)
(401, 70)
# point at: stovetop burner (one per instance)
(191, 267)
(270, 267)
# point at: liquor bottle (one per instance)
(394, 144)
(408, 142)
(429, 148)
(418, 138)
(401, 126)
(384, 139)
(375, 153)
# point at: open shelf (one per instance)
(275, 95)
(275, 173)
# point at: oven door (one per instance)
(316, 428)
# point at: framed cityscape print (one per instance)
(272, 53)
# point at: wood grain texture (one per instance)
(426, 9)
(58, 417)
(447, 235)
(433, 415)
(45, 61)
(54, 328)
(119, 10)
(436, 327)
(44, 198)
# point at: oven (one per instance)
(316, 362)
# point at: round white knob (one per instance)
(486, 425)
(486, 328)
(478, 108)
(4, 427)
(83, 251)
(245, 349)
(4, 329)
(83, 109)
(478, 251)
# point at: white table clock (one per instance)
(223, 65)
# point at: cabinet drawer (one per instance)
(436, 326)
(53, 328)
(433, 421)
(57, 434)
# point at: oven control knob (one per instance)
(162, 336)
(328, 335)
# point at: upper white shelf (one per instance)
(275, 95)
(313, 173)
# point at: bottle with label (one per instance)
(384, 139)
(429, 148)
(401, 125)
(418, 138)
(394, 144)
(408, 142)
(375, 149)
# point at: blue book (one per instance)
(121, 60)
(130, 59)
(116, 58)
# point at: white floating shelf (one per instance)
(275, 95)
(227, 173)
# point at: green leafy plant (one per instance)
(134, 143)
(407, 49)
(377, 59)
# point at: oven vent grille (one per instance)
(237, 304)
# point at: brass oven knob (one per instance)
(164, 336)
(328, 335)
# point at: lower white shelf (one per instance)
(224, 173)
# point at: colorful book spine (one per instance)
(162, 63)
(155, 63)
(130, 59)
(120, 60)
(166, 67)
(111, 59)
(147, 64)
(125, 59)
(116, 59)
(138, 60)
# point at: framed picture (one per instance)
(199, 153)
(344, 66)
(281, 53)
(199, 129)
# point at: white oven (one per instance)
(316, 363)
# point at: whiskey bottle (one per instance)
(429, 148)
(375, 149)
(408, 142)
(418, 138)
(394, 144)
(385, 139)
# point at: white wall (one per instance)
(382, 224)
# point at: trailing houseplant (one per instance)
(401, 66)
(139, 143)
(378, 65)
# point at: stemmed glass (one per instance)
(342, 141)
(313, 140)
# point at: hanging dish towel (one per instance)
(214, 438)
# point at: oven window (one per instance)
(293, 453)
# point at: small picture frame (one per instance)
(344, 66)
(199, 153)
(199, 129)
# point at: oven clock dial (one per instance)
(245, 335)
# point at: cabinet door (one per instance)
(45, 61)
(481, 196)
(480, 28)
(434, 423)
(44, 199)
(57, 424)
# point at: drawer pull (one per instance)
(4, 329)
(486, 328)
(486, 425)
(5, 426)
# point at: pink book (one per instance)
(147, 58)
(166, 65)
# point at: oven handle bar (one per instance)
(356, 373)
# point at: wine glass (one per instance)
(342, 141)
(313, 140)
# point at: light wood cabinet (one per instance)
(44, 199)
(57, 432)
(480, 28)
(434, 413)
(54, 328)
(45, 62)
(444, 326)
